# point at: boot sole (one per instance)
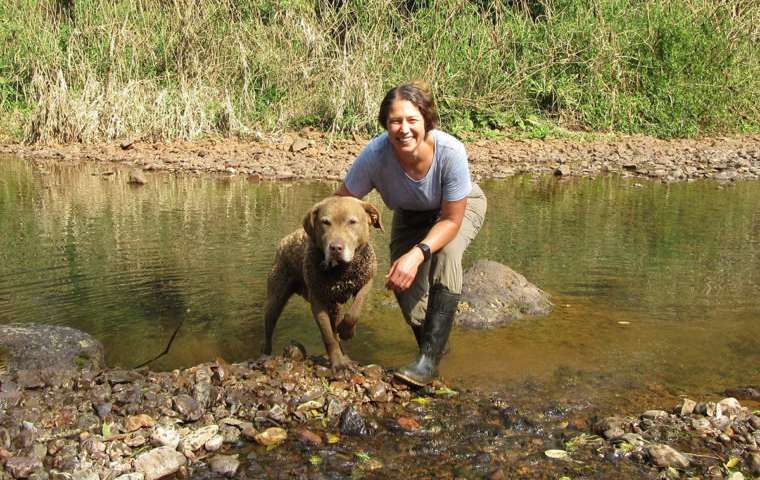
(411, 380)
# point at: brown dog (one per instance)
(327, 262)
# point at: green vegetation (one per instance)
(89, 70)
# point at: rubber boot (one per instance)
(442, 306)
(417, 330)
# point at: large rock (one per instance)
(159, 462)
(39, 347)
(493, 294)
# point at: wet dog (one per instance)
(328, 261)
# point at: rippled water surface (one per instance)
(657, 287)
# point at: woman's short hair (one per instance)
(419, 94)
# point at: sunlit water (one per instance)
(656, 287)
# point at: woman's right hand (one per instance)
(404, 270)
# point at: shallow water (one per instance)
(655, 286)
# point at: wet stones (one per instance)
(352, 423)
(226, 465)
(22, 467)
(666, 456)
(159, 462)
(612, 427)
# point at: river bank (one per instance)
(290, 417)
(309, 154)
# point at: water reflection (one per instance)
(654, 283)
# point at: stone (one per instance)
(687, 407)
(299, 144)
(611, 427)
(494, 294)
(159, 462)
(666, 456)
(562, 170)
(226, 465)
(136, 422)
(272, 436)
(654, 414)
(195, 440)
(753, 462)
(352, 423)
(188, 407)
(309, 437)
(165, 436)
(730, 406)
(131, 476)
(35, 347)
(22, 467)
(214, 443)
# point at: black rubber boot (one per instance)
(418, 336)
(442, 306)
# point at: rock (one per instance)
(136, 422)
(137, 177)
(611, 427)
(654, 414)
(131, 476)
(709, 409)
(753, 462)
(562, 171)
(159, 462)
(295, 351)
(165, 436)
(307, 436)
(272, 436)
(730, 406)
(666, 456)
(299, 144)
(195, 440)
(188, 407)
(408, 423)
(352, 423)
(226, 465)
(22, 467)
(493, 294)
(37, 347)
(687, 407)
(214, 443)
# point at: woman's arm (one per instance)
(404, 269)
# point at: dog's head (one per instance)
(339, 225)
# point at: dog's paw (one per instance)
(346, 329)
(343, 364)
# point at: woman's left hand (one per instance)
(404, 270)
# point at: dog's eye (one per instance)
(352, 221)
(326, 221)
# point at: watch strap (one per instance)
(425, 250)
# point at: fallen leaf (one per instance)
(408, 423)
(557, 454)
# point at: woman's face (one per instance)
(406, 126)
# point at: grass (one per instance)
(89, 71)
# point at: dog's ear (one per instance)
(374, 216)
(310, 221)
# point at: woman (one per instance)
(423, 176)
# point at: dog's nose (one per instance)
(336, 248)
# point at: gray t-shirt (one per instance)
(377, 167)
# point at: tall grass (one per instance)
(89, 70)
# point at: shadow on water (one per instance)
(655, 285)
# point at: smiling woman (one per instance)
(422, 175)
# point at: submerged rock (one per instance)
(38, 347)
(667, 456)
(494, 294)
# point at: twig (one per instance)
(168, 346)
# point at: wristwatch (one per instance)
(425, 250)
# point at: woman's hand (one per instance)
(404, 270)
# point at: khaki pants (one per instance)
(445, 265)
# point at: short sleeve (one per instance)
(456, 177)
(358, 180)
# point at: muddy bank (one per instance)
(291, 417)
(311, 155)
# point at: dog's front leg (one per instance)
(326, 324)
(347, 326)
